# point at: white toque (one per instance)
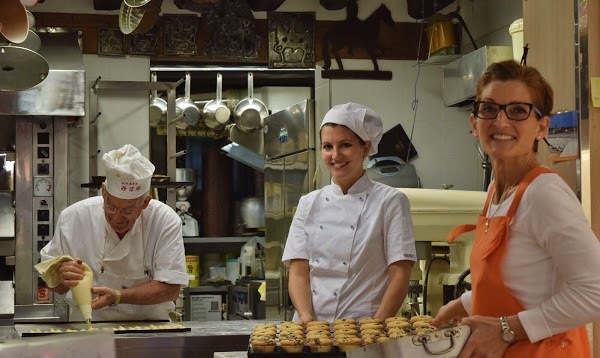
(360, 119)
(128, 172)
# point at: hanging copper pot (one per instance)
(136, 3)
(13, 16)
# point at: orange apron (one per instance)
(491, 298)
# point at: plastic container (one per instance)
(516, 31)
(233, 270)
(192, 265)
(217, 273)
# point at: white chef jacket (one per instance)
(552, 261)
(152, 250)
(349, 241)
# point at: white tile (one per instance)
(429, 171)
(456, 139)
(461, 173)
(426, 138)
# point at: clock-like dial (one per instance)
(42, 187)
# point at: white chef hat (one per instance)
(128, 172)
(360, 119)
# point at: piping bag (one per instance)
(82, 293)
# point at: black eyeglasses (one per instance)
(514, 111)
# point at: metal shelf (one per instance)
(157, 184)
(438, 60)
(97, 86)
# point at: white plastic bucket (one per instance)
(516, 31)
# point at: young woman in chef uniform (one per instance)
(350, 248)
(535, 263)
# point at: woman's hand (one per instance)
(486, 338)
(452, 312)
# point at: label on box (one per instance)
(205, 307)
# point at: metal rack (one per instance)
(99, 85)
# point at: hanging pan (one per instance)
(13, 16)
(186, 106)
(158, 107)
(136, 3)
(21, 68)
(250, 112)
(139, 20)
(215, 113)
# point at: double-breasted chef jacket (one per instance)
(152, 250)
(349, 241)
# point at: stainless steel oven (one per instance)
(37, 121)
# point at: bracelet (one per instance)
(118, 298)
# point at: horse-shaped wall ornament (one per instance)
(355, 33)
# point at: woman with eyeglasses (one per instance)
(131, 243)
(535, 262)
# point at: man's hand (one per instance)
(305, 318)
(106, 297)
(71, 272)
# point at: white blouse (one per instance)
(552, 263)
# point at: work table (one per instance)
(205, 338)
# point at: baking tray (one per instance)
(306, 353)
(36, 330)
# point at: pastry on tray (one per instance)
(290, 345)
(263, 344)
(320, 345)
(347, 343)
(344, 320)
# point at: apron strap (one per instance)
(459, 230)
(488, 200)
(533, 173)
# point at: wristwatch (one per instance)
(117, 298)
(507, 334)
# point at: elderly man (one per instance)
(133, 245)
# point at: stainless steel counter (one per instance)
(203, 340)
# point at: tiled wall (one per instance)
(447, 151)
